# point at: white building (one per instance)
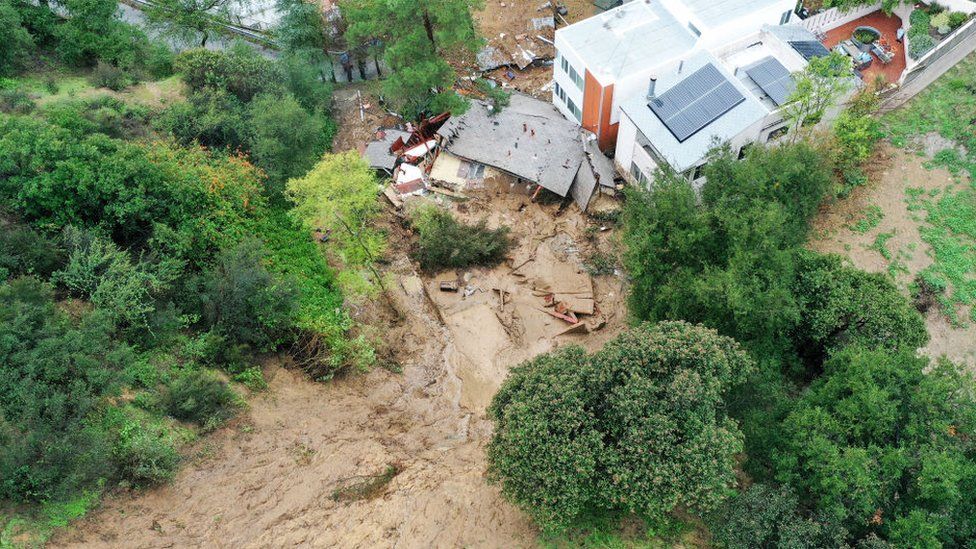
(658, 81)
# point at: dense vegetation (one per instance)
(446, 242)
(148, 256)
(844, 428)
(639, 426)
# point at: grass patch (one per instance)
(870, 218)
(880, 244)
(611, 531)
(33, 527)
(366, 487)
(948, 108)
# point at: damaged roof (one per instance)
(529, 139)
(378, 153)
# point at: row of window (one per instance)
(568, 69)
(570, 104)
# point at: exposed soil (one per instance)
(896, 171)
(270, 478)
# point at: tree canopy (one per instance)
(417, 38)
(639, 426)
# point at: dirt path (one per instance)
(268, 479)
(845, 228)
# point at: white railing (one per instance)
(951, 41)
(834, 18)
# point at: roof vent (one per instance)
(650, 88)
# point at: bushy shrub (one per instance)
(445, 242)
(240, 72)
(16, 101)
(199, 396)
(99, 271)
(920, 19)
(920, 45)
(242, 300)
(145, 452)
(212, 118)
(941, 22)
(24, 251)
(957, 18)
(106, 75)
(638, 427)
(768, 517)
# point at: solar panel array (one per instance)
(695, 102)
(810, 49)
(773, 78)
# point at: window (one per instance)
(785, 18)
(574, 109)
(744, 150)
(638, 174)
(699, 172)
(560, 93)
(564, 64)
(575, 77)
(694, 29)
(777, 133)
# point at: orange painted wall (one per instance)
(597, 103)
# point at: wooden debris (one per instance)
(449, 286)
(578, 328)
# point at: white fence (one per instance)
(834, 17)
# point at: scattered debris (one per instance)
(449, 286)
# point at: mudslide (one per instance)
(269, 478)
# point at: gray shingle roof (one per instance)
(529, 139)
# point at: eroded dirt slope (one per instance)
(268, 479)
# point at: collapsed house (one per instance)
(529, 140)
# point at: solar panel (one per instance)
(773, 78)
(695, 102)
(810, 49)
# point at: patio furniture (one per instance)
(862, 60)
(885, 55)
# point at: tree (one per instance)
(818, 86)
(339, 196)
(639, 426)
(301, 29)
(882, 442)
(242, 300)
(416, 37)
(286, 140)
(192, 21)
(769, 517)
(17, 42)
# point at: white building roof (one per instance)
(714, 13)
(633, 37)
(684, 155)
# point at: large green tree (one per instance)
(17, 42)
(639, 426)
(192, 21)
(883, 442)
(417, 38)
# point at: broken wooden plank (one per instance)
(578, 328)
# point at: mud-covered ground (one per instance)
(269, 478)
(849, 228)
